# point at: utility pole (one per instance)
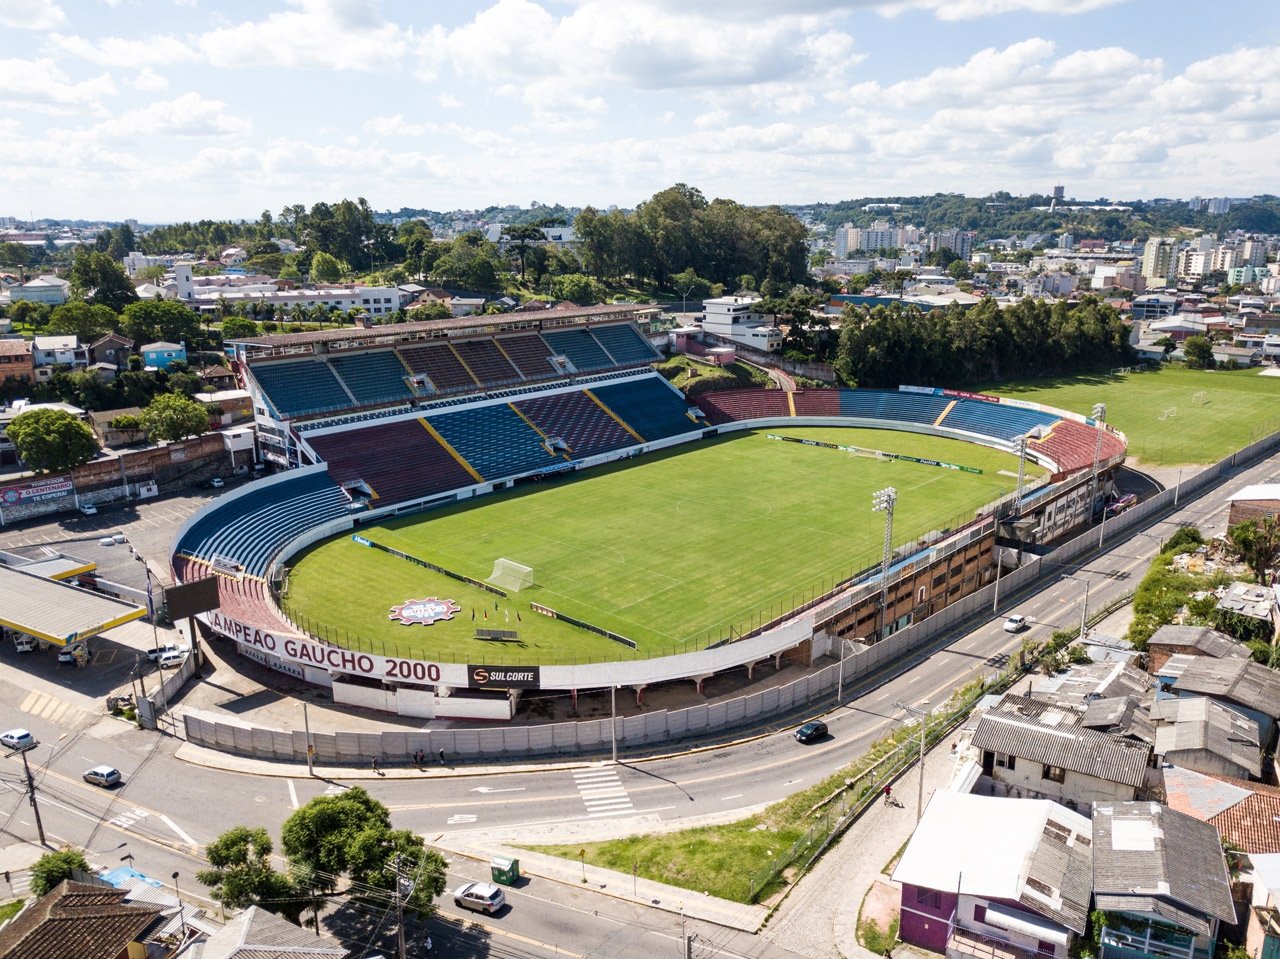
(401, 893)
(306, 725)
(883, 501)
(1100, 417)
(923, 716)
(31, 793)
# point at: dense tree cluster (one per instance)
(888, 345)
(677, 229)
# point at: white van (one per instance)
(24, 643)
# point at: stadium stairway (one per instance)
(251, 528)
(377, 377)
(649, 406)
(580, 347)
(487, 363)
(585, 428)
(440, 365)
(398, 461)
(298, 387)
(494, 440)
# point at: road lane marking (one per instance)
(734, 796)
(293, 793)
(178, 829)
(459, 819)
(602, 791)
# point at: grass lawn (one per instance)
(1242, 407)
(668, 550)
(10, 909)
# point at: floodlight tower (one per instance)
(884, 501)
(1100, 417)
(1035, 433)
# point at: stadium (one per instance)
(471, 509)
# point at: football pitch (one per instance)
(669, 550)
(1171, 416)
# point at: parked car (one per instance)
(216, 483)
(480, 896)
(72, 652)
(104, 776)
(155, 654)
(19, 739)
(24, 643)
(173, 658)
(88, 509)
(811, 731)
(1015, 623)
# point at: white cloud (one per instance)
(117, 52)
(189, 115)
(39, 85)
(973, 9)
(149, 81)
(31, 14)
(448, 101)
(327, 34)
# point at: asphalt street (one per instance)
(167, 810)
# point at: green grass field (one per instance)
(669, 550)
(1242, 408)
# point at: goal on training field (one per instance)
(1200, 399)
(877, 455)
(1169, 413)
(512, 576)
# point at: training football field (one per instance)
(668, 550)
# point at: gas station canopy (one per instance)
(56, 612)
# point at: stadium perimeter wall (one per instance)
(899, 652)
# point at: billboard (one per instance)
(198, 596)
(505, 677)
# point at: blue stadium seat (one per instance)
(251, 528)
(377, 377)
(625, 344)
(585, 428)
(650, 406)
(494, 440)
(995, 419)
(581, 348)
(892, 405)
(296, 387)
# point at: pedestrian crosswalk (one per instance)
(53, 709)
(602, 792)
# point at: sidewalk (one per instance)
(820, 917)
(642, 892)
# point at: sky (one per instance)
(164, 110)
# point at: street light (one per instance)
(1035, 433)
(181, 917)
(923, 715)
(840, 684)
(883, 501)
(1084, 613)
(1100, 417)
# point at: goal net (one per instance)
(512, 576)
(1200, 399)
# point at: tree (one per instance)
(521, 237)
(172, 416)
(242, 875)
(351, 834)
(52, 441)
(82, 320)
(429, 311)
(149, 321)
(1167, 343)
(97, 278)
(237, 328)
(1199, 353)
(576, 288)
(54, 867)
(959, 270)
(1257, 542)
(325, 268)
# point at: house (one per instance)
(104, 371)
(43, 289)
(1033, 749)
(233, 256)
(1190, 641)
(256, 933)
(75, 920)
(1085, 682)
(734, 318)
(987, 877)
(16, 361)
(113, 437)
(160, 355)
(1152, 306)
(1245, 356)
(1122, 716)
(1251, 600)
(234, 405)
(1162, 878)
(1257, 501)
(1246, 814)
(49, 351)
(112, 348)
(466, 305)
(1197, 733)
(218, 377)
(1247, 687)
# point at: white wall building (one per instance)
(734, 318)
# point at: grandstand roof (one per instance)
(56, 612)
(463, 325)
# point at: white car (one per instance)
(155, 654)
(1015, 623)
(88, 509)
(480, 896)
(104, 776)
(173, 658)
(70, 654)
(19, 739)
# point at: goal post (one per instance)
(1200, 399)
(512, 576)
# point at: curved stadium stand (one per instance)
(398, 461)
(583, 425)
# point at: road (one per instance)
(166, 810)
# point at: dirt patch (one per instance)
(881, 905)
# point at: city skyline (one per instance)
(163, 112)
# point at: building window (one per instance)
(979, 913)
(929, 897)
(1054, 774)
(1005, 762)
(1044, 948)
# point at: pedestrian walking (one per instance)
(888, 795)
(373, 762)
(441, 757)
(428, 947)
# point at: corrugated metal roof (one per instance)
(257, 933)
(1161, 861)
(1194, 722)
(1088, 681)
(1034, 731)
(1240, 681)
(1120, 716)
(57, 612)
(1209, 642)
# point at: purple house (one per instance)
(984, 876)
